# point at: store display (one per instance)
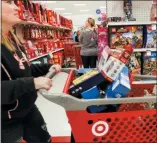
(134, 63)
(122, 36)
(150, 64)
(151, 37)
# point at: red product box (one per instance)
(49, 15)
(102, 39)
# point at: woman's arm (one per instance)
(40, 69)
(13, 89)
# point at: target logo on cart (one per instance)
(100, 128)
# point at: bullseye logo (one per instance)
(100, 128)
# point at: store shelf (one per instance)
(61, 49)
(42, 25)
(130, 23)
(145, 49)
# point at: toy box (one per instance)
(150, 64)
(102, 39)
(85, 76)
(112, 68)
(93, 93)
(104, 57)
(94, 80)
(120, 87)
(122, 36)
(151, 37)
(135, 63)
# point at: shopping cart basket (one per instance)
(77, 56)
(130, 126)
(68, 50)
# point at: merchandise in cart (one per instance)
(132, 125)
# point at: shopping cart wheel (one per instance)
(72, 138)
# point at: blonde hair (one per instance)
(7, 41)
(91, 21)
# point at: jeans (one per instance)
(89, 61)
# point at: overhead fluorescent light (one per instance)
(80, 4)
(59, 8)
(51, 1)
(84, 10)
(103, 7)
(68, 13)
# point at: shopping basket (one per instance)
(130, 126)
(77, 56)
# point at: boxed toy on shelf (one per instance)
(151, 36)
(150, 64)
(122, 36)
(134, 63)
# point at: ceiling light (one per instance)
(80, 4)
(67, 13)
(103, 7)
(51, 1)
(59, 8)
(84, 10)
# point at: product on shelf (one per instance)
(134, 63)
(128, 10)
(102, 39)
(122, 36)
(153, 12)
(150, 64)
(151, 37)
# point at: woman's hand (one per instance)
(42, 82)
(56, 67)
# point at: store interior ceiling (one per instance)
(68, 8)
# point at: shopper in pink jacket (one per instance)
(19, 83)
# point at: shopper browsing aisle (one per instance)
(77, 36)
(20, 117)
(88, 41)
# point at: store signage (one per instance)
(99, 18)
(98, 11)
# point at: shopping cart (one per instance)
(77, 56)
(68, 51)
(130, 126)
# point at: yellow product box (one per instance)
(85, 77)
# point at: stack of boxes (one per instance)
(110, 80)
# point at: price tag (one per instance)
(148, 53)
(153, 26)
(50, 55)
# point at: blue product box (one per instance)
(120, 88)
(125, 71)
(93, 93)
(76, 90)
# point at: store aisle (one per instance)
(55, 117)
